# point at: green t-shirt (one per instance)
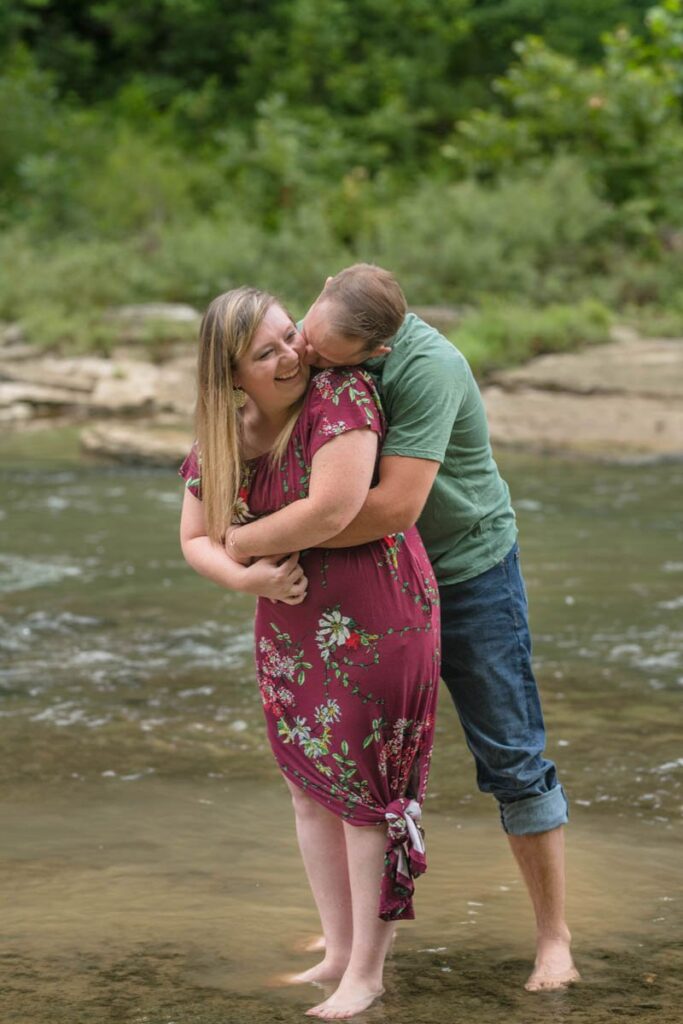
(435, 411)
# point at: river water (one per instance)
(148, 866)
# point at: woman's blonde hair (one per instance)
(226, 331)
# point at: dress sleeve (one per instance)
(343, 400)
(191, 472)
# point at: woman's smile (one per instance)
(291, 375)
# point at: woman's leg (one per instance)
(362, 980)
(323, 849)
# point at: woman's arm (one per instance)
(341, 474)
(268, 577)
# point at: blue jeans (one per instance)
(486, 665)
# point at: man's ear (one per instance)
(381, 350)
(327, 281)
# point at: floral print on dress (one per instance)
(348, 679)
(191, 472)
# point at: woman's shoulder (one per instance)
(337, 381)
(343, 398)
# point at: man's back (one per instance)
(435, 411)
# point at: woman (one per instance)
(347, 663)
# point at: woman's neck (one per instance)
(260, 428)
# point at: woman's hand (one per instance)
(276, 579)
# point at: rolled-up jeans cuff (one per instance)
(535, 813)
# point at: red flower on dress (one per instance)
(353, 640)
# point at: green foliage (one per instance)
(499, 336)
(170, 149)
(622, 116)
(537, 236)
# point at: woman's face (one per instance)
(272, 371)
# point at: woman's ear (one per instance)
(381, 350)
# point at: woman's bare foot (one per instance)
(554, 968)
(350, 998)
(326, 970)
(317, 945)
(314, 945)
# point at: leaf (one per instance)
(368, 740)
(344, 747)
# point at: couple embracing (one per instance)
(318, 449)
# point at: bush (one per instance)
(500, 336)
(622, 117)
(535, 237)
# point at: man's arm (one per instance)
(394, 505)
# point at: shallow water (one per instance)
(148, 866)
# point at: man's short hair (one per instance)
(366, 302)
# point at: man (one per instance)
(437, 469)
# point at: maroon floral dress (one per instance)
(349, 678)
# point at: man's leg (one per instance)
(487, 667)
(541, 861)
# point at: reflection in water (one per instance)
(147, 857)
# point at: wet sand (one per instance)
(168, 902)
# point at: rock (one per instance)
(170, 312)
(606, 426)
(645, 367)
(442, 318)
(623, 333)
(71, 374)
(130, 388)
(43, 400)
(176, 386)
(12, 335)
(139, 444)
(16, 412)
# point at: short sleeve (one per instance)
(343, 400)
(424, 402)
(191, 472)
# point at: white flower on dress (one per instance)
(300, 732)
(334, 625)
(328, 429)
(328, 713)
(273, 664)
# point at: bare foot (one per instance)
(326, 970)
(349, 999)
(314, 945)
(554, 968)
(317, 944)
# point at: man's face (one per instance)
(324, 348)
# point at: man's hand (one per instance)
(276, 579)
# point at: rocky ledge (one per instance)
(620, 402)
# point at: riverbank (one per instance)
(620, 401)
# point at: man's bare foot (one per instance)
(349, 999)
(554, 968)
(326, 970)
